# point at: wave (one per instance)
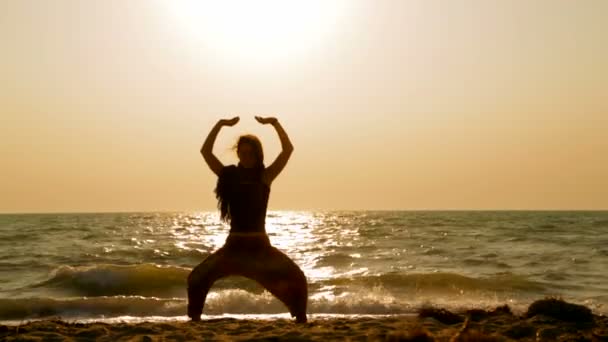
(141, 280)
(374, 301)
(224, 302)
(334, 260)
(442, 283)
(109, 280)
(170, 281)
(29, 308)
(600, 223)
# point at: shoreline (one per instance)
(545, 320)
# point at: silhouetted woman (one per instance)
(242, 192)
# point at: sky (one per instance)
(391, 105)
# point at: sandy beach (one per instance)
(546, 320)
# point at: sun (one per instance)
(256, 31)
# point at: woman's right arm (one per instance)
(207, 149)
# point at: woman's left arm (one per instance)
(277, 166)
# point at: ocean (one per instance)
(133, 266)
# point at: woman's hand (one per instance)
(207, 150)
(267, 120)
(272, 171)
(229, 122)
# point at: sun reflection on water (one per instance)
(294, 233)
(203, 232)
(314, 240)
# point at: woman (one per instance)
(242, 192)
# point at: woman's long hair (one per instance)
(227, 179)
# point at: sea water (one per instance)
(133, 266)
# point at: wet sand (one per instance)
(548, 321)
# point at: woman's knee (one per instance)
(205, 270)
(195, 277)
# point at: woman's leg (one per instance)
(265, 264)
(284, 279)
(201, 279)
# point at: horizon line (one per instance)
(295, 210)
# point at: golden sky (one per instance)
(468, 104)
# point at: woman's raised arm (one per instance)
(207, 149)
(277, 166)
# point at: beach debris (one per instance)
(560, 309)
(475, 336)
(416, 334)
(600, 335)
(519, 330)
(480, 314)
(548, 334)
(442, 315)
(466, 334)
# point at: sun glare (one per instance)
(257, 31)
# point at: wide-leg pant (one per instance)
(252, 257)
